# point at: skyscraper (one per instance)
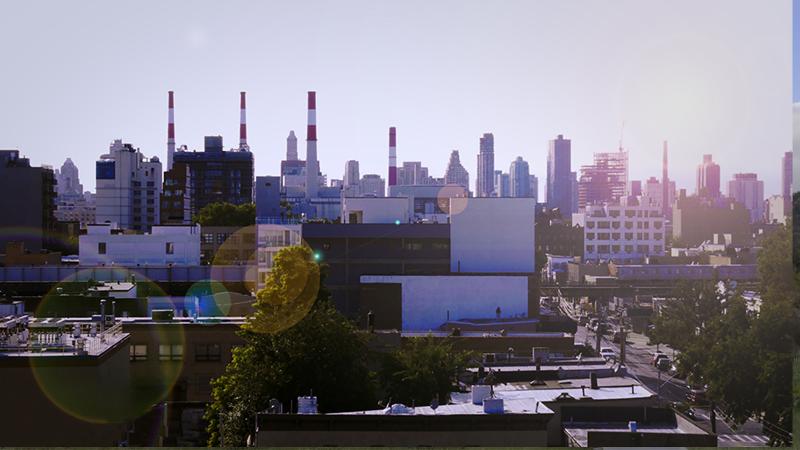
(666, 200)
(128, 188)
(502, 184)
(605, 181)
(559, 167)
(787, 178)
(748, 190)
(291, 147)
(708, 178)
(351, 179)
(519, 178)
(534, 189)
(484, 184)
(68, 182)
(28, 202)
(456, 173)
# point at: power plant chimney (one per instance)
(392, 156)
(665, 184)
(170, 132)
(243, 123)
(312, 165)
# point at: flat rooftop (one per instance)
(26, 337)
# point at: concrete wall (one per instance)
(492, 235)
(137, 249)
(426, 300)
(375, 210)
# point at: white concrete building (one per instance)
(429, 202)
(270, 238)
(621, 232)
(774, 210)
(429, 301)
(375, 210)
(104, 245)
(492, 235)
(128, 188)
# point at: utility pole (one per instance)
(599, 333)
(622, 338)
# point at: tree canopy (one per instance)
(423, 369)
(321, 352)
(742, 352)
(226, 214)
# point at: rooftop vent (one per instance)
(493, 406)
(480, 392)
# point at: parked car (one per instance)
(696, 395)
(656, 355)
(607, 353)
(658, 358)
(664, 363)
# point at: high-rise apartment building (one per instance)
(748, 190)
(456, 173)
(372, 185)
(412, 173)
(68, 181)
(502, 184)
(605, 181)
(708, 178)
(128, 188)
(534, 189)
(653, 190)
(214, 175)
(352, 180)
(485, 181)
(787, 178)
(559, 182)
(28, 202)
(519, 178)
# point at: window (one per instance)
(615, 248)
(657, 225)
(170, 248)
(101, 248)
(590, 249)
(207, 352)
(603, 224)
(173, 352)
(615, 236)
(602, 236)
(602, 249)
(658, 236)
(138, 352)
(590, 225)
(589, 236)
(208, 238)
(628, 225)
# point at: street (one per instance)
(638, 361)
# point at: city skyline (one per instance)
(447, 101)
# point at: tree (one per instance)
(743, 355)
(422, 369)
(319, 351)
(226, 214)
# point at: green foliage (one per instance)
(744, 357)
(322, 353)
(226, 214)
(422, 369)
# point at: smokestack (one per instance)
(312, 165)
(665, 183)
(243, 123)
(392, 156)
(170, 132)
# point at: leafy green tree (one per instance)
(226, 214)
(422, 369)
(318, 351)
(743, 355)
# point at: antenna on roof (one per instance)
(621, 134)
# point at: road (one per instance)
(638, 361)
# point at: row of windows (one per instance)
(630, 213)
(221, 238)
(628, 225)
(641, 249)
(628, 236)
(169, 248)
(174, 352)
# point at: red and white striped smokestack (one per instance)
(243, 122)
(170, 131)
(392, 156)
(312, 165)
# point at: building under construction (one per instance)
(604, 181)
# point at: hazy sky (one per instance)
(711, 76)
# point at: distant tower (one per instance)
(787, 178)
(243, 123)
(666, 208)
(170, 132)
(291, 147)
(559, 167)
(520, 182)
(708, 178)
(456, 173)
(484, 184)
(392, 156)
(312, 165)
